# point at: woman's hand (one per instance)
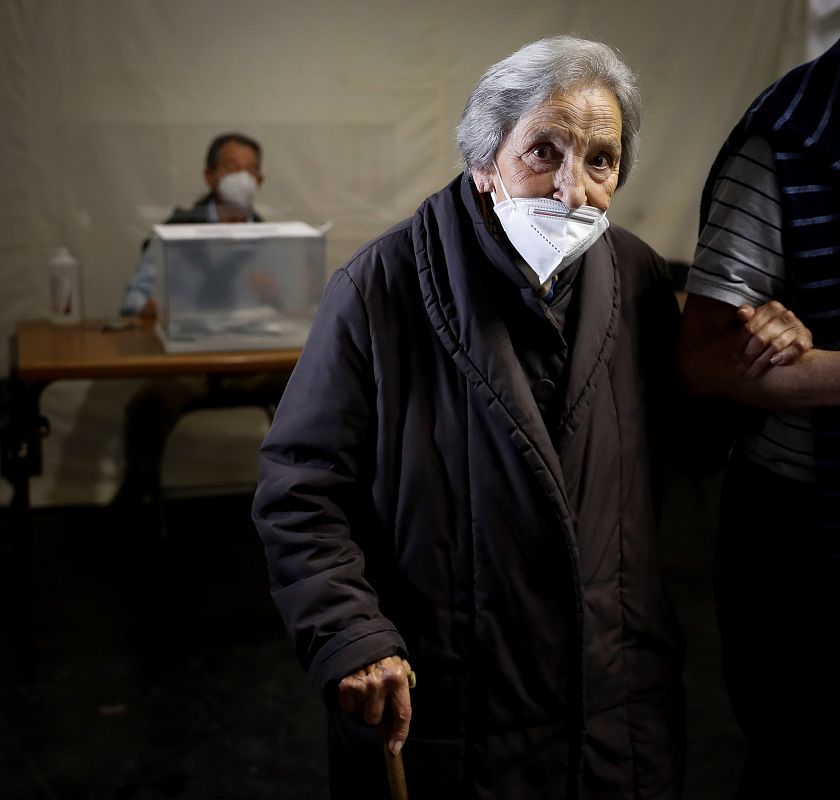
(375, 688)
(774, 337)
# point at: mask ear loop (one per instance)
(502, 184)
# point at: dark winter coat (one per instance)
(413, 500)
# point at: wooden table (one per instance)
(47, 352)
(42, 352)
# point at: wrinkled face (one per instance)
(234, 157)
(567, 149)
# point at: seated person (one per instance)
(233, 173)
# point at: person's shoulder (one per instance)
(639, 265)
(390, 252)
(627, 245)
(756, 148)
(748, 171)
(382, 274)
(188, 216)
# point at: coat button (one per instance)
(544, 390)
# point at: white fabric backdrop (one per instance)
(108, 106)
(823, 25)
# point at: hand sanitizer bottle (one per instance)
(65, 288)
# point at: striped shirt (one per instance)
(739, 259)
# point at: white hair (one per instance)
(519, 83)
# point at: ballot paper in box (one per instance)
(237, 286)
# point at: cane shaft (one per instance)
(396, 774)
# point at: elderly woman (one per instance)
(460, 479)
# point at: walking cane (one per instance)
(396, 773)
(394, 763)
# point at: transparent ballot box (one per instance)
(237, 286)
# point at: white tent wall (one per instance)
(823, 25)
(108, 106)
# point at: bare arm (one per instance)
(761, 357)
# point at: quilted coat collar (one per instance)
(455, 253)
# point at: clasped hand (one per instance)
(772, 336)
(375, 690)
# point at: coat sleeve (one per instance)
(313, 493)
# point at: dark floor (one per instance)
(159, 667)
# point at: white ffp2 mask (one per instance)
(238, 188)
(547, 233)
